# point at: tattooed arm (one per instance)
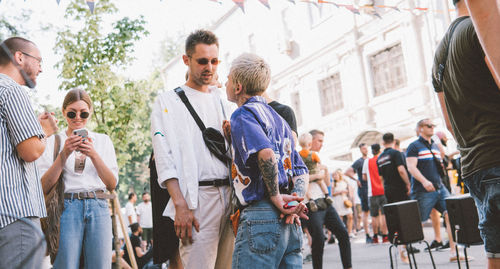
(300, 184)
(269, 169)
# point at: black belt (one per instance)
(215, 182)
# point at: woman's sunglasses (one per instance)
(72, 115)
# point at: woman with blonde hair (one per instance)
(86, 164)
(341, 201)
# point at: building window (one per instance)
(296, 107)
(388, 70)
(330, 94)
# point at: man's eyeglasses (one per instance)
(205, 61)
(430, 125)
(83, 115)
(34, 57)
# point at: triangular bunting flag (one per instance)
(293, 1)
(58, 1)
(265, 3)
(241, 4)
(91, 3)
(328, 2)
(217, 1)
(352, 9)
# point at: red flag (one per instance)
(241, 4)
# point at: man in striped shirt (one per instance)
(424, 163)
(21, 143)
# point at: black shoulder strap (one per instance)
(442, 65)
(180, 92)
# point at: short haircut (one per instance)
(251, 72)
(361, 145)
(131, 195)
(455, 2)
(388, 138)
(200, 37)
(421, 122)
(134, 227)
(316, 132)
(375, 149)
(14, 44)
(397, 142)
(144, 193)
(305, 139)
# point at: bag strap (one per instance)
(180, 92)
(436, 161)
(57, 145)
(442, 65)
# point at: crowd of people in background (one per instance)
(240, 194)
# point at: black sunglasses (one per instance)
(72, 114)
(430, 125)
(205, 61)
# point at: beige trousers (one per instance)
(213, 246)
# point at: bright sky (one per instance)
(164, 18)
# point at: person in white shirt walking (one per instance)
(145, 218)
(130, 209)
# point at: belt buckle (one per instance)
(78, 196)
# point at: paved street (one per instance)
(377, 256)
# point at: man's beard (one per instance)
(31, 74)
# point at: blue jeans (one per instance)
(484, 186)
(429, 200)
(266, 241)
(85, 224)
(332, 221)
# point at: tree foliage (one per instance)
(122, 107)
(11, 24)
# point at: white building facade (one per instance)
(352, 76)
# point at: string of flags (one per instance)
(370, 9)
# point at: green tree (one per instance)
(90, 59)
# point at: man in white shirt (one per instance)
(130, 208)
(197, 181)
(145, 217)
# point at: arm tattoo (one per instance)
(299, 186)
(269, 170)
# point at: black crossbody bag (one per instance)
(214, 140)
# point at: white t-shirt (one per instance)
(145, 213)
(130, 211)
(367, 172)
(209, 167)
(89, 180)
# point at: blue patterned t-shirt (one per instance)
(256, 126)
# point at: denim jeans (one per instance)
(332, 221)
(484, 187)
(266, 241)
(85, 224)
(429, 200)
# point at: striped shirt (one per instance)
(426, 164)
(21, 192)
